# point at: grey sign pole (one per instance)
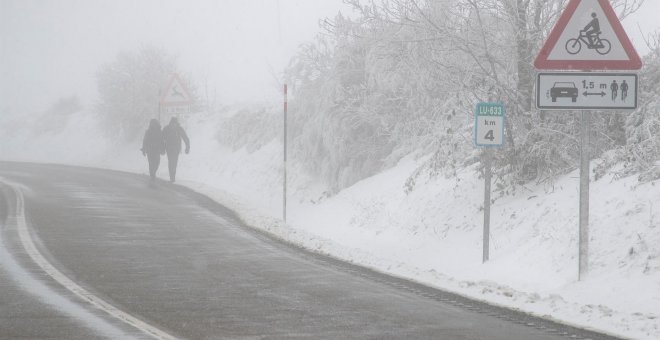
(584, 195)
(488, 132)
(586, 91)
(285, 149)
(159, 100)
(487, 180)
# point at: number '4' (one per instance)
(490, 136)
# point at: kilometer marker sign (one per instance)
(489, 125)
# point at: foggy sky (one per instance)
(235, 48)
(53, 48)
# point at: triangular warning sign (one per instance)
(588, 36)
(176, 93)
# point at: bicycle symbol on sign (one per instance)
(590, 36)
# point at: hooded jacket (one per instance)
(173, 133)
(153, 142)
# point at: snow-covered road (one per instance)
(181, 263)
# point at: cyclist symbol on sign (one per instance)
(590, 36)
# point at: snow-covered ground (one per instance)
(433, 234)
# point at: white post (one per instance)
(159, 106)
(285, 150)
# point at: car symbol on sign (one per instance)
(564, 90)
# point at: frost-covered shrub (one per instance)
(639, 151)
(402, 78)
(130, 88)
(250, 128)
(56, 118)
(366, 96)
(642, 151)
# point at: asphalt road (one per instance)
(187, 267)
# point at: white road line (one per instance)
(40, 260)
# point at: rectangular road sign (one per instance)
(489, 124)
(584, 91)
(176, 110)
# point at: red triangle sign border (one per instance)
(175, 80)
(633, 63)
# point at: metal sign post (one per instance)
(589, 37)
(488, 132)
(159, 104)
(487, 180)
(583, 266)
(285, 150)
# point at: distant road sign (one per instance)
(579, 91)
(176, 93)
(588, 36)
(176, 98)
(176, 110)
(489, 125)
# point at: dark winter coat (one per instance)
(153, 142)
(173, 133)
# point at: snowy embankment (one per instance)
(432, 234)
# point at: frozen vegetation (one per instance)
(431, 233)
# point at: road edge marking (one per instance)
(40, 260)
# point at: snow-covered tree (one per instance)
(130, 88)
(57, 116)
(641, 153)
(403, 77)
(497, 41)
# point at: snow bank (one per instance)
(432, 234)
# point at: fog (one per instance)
(234, 48)
(383, 168)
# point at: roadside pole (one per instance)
(285, 149)
(598, 85)
(487, 180)
(585, 122)
(159, 100)
(593, 92)
(488, 133)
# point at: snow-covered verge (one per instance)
(431, 234)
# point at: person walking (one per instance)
(153, 145)
(173, 134)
